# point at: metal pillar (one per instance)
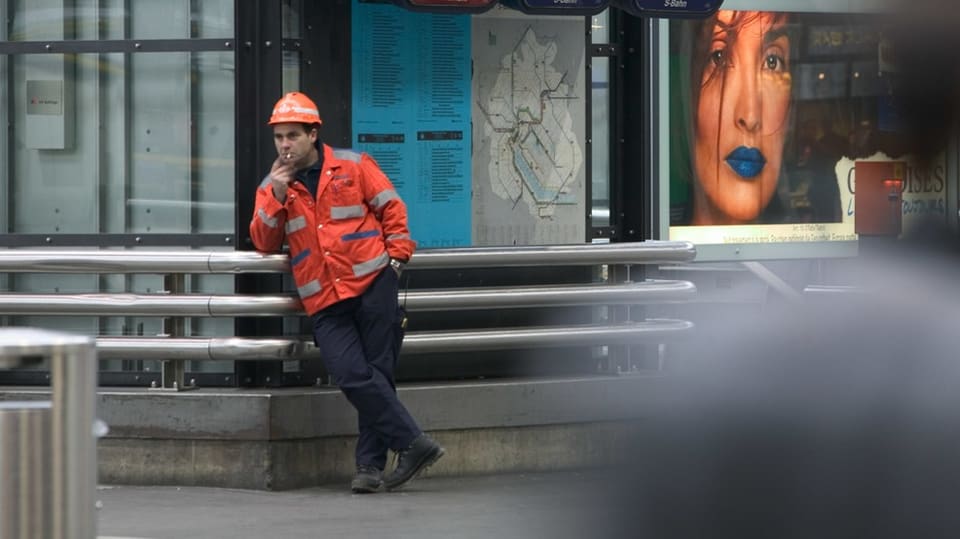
(53, 458)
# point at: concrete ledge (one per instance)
(306, 463)
(304, 413)
(292, 438)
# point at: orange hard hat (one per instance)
(295, 107)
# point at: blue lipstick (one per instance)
(747, 162)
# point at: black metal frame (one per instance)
(260, 59)
(612, 50)
(80, 46)
(259, 64)
(38, 377)
(10, 114)
(325, 70)
(650, 126)
(637, 200)
(116, 240)
(588, 132)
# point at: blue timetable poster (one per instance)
(411, 112)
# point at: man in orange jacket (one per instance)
(346, 228)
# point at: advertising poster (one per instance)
(769, 113)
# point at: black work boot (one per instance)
(367, 480)
(411, 461)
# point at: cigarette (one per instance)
(287, 156)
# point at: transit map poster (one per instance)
(479, 121)
(411, 113)
(529, 108)
(769, 113)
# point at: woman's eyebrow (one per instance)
(720, 32)
(775, 34)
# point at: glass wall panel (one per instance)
(160, 143)
(144, 19)
(141, 143)
(115, 165)
(291, 71)
(160, 20)
(600, 27)
(600, 123)
(4, 147)
(213, 156)
(53, 183)
(115, 143)
(600, 110)
(114, 22)
(210, 18)
(4, 158)
(291, 18)
(36, 20)
(291, 22)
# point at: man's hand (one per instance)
(281, 174)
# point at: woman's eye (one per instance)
(718, 57)
(775, 62)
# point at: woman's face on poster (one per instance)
(741, 117)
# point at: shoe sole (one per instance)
(427, 462)
(365, 489)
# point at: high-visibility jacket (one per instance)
(340, 241)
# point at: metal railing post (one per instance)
(173, 372)
(618, 356)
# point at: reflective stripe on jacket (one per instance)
(340, 241)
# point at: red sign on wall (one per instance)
(447, 6)
(878, 198)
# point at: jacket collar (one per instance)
(330, 165)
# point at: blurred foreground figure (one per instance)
(924, 38)
(837, 418)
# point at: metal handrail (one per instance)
(196, 305)
(199, 348)
(238, 348)
(173, 349)
(195, 262)
(646, 252)
(542, 337)
(832, 290)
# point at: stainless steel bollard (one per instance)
(70, 447)
(25, 459)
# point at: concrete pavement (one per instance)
(553, 505)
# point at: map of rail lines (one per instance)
(528, 127)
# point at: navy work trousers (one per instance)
(359, 342)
